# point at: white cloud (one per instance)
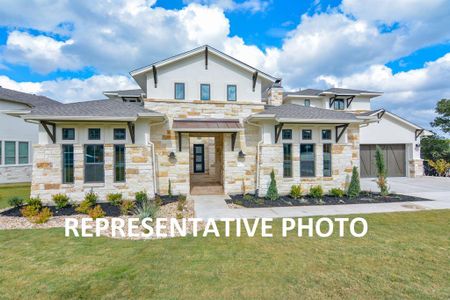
(252, 6)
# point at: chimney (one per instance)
(275, 94)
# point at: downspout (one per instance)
(153, 152)
(257, 154)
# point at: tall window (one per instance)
(1, 153)
(327, 160)
(307, 160)
(67, 163)
(179, 90)
(231, 92)
(287, 160)
(68, 134)
(307, 102)
(306, 134)
(326, 134)
(339, 104)
(119, 163)
(10, 153)
(286, 134)
(94, 170)
(120, 133)
(94, 133)
(205, 92)
(23, 153)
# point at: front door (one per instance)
(199, 158)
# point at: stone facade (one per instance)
(275, 96)
(416, 168)
(14, 174)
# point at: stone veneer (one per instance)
(15, 174)
(416, 168)
(47, 173)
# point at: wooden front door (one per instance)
(199, 158)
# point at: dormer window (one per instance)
(339, 104)
(205, 91)
(307, 102)
(179, 91)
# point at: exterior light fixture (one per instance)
(172, 155)
(241, 154)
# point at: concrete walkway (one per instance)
(434, 188)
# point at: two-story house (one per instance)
(204, 122)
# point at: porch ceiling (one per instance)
(207, 125)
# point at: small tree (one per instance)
(381, 172)
(272, 192)
(354, 189)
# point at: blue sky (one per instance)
(72, 51)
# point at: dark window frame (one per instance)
(175, 90)
(287, 162)
(326, 138)
(337, 105)
(310, 134)
(94, 138)
(302, 170)
(93, 164)
(307, 101)
(63, 134)
(20, 157)
(68, 174)
(325, 160)
(201, 91)
(288, 132)
(120, 165)
(124, 134)
(15, 152)
(228, 92)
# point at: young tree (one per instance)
(354, 189)
(272, 192)
(381, 172)
(442, 121)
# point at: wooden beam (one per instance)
(349, 100)
(179, 141)
(278, 129)
(155, 76)
(418, 133)
(380, 114)
(233, 140)
(52, 133)
(131, 129)
(255, 78)
(206, 58)
(339, 134)
(331, 101)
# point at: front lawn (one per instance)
(404, 255)
(15, 189)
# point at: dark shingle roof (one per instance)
(316, 92)
(307, 92)
(25, 98)
(125, 93)
(294, 111)
(348, 91)
(95, 108)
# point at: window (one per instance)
(339, 104)
(286, 134)
(94, 164)
(1, 153)
(119, 163)
(205, 92)
(67, 151)
(68, 134)
(10, 153)
(306, 134)
(327, 160)
(94, 133)
(179, 90)
(307, 102)
(23, 153)
(326, 134)
(120, 133)
(307, 161)
(287, 160)
(231, 92)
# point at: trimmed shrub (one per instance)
(96, 212)
(126, 207)
(381, 172)
(141, 197)
(296, 191)
(272, 192)
(336, 192)
(15, 201)
(61, 200)
(440, 166)
(29, 211)
(146, 209)
(35, 202)
(114, 198)
(354, 189)
(42, 217)
(248, 197)
(90, 199)
(158, 201)
(316, 192)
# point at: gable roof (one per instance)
(124, 93)
(25, 98)
(205, 48)
(107, 110)
(332, 91)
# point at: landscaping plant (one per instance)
(90, 199)
(316, 192)
(96, 212)
(381, 172)
(158, 201)
(61, 200)
(126, 207)
(42, 217)
(35, 202)
(146, 209)
(296, 191)
(248, 197)
(114, 198)
(354, 189)
(29, 211)
(337, 192)
(441, 166)
(15, 201)
(272, 192)
(141, 197)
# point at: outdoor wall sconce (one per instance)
(241, 154)
(172, 155)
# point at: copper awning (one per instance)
(207, 125)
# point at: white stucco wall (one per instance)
(219, 74)
(16, 129)
(358, 103)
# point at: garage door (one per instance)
(394, 157)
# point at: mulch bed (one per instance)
(364, 198)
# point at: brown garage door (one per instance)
(394, 157)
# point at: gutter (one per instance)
(257, 154)
(153, 153)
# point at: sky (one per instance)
(73, 50)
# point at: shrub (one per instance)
(272, 192)
(146, 209)
(29, 211)
(15, 201)
(441, 166)
(182, 198)
(91, 198)
(35, 202)
(96, 212)
(354, 189)
(336, 192)
(126, 207)
(42, 217)
(316, 192)
(180, 206)
(61, 200)
(179, 216)
(296, 191)
(141, 197)
(158, 200)
(381, 172)
(114, 198)
(248, 197)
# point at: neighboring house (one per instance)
(204, 122)
(17, 136)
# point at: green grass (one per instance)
(15, 189)
(404, 255)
